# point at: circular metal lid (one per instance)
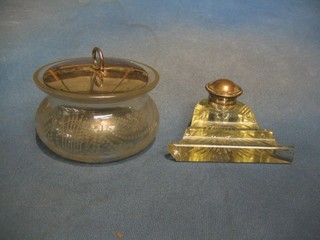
(224, 88)
(96, 79)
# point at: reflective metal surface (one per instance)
(96, 79)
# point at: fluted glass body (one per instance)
(97, 132)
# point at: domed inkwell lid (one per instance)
(224, 88)
(96, 79)
(223, 92)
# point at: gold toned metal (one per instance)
(98, 63)
(79, 79)
(225, 130)
(223, 92)
(98, 109)
(224, 88)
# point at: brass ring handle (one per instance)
(98, 59)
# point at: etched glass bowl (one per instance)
(97, 109)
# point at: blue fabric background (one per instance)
(270, 48)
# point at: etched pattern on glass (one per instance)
(77, 132)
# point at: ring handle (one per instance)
(98, 59)
(97, 80)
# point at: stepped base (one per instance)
(232, 146)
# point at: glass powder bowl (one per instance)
(97, 109)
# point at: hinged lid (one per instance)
(223, 92)
(96, 78)
(224, 88)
